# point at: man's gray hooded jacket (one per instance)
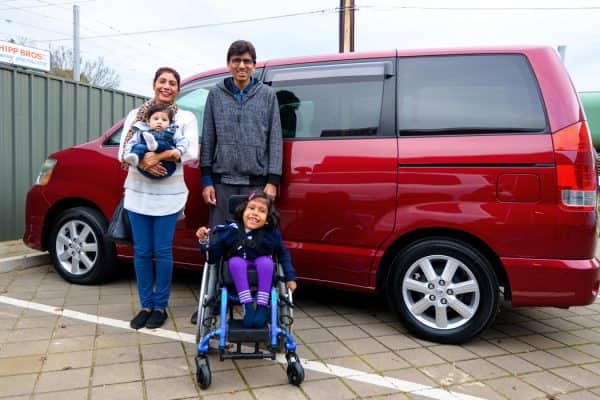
(241, 142)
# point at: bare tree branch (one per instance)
(93, 72)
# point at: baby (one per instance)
(156, 133)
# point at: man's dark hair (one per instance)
(240, 47)
(168, 69)
(160, 107)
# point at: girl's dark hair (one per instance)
(159, 107)
(240, 47)
(272, 215)
(162, 70)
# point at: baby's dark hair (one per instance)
(272, 215)
(159, 107)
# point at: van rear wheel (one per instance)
(80, 251)
(443, 290)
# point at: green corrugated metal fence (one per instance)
(40, 115)
(591, 105)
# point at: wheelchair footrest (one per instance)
(237, 333)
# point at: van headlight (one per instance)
(45, 172)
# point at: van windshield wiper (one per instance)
(468, 129)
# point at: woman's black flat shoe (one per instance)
(139, 321)
(157, 319)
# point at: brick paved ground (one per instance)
(527, 354)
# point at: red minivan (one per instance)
(444, 178)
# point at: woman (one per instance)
(154, 205)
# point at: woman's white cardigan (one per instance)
(163, 196)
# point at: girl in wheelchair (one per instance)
(252, 240)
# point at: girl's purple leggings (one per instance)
(264, 265)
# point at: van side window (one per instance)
(333, 107)
(194, 98)
(194, 101)
(465, 94)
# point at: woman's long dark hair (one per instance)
(272, 215)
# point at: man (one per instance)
(241, 137)
(241, 140)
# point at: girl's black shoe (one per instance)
(157, 319)
(260, 316)
(248, 315)
(139, 321)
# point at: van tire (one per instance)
(427, 301)
(80, 251)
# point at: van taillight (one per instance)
(575, 167)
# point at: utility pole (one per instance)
(346, 26)
(562, 52)
(76, 51)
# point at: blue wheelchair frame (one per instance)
(221, 331)
(295, 371)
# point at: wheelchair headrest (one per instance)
(235, 200)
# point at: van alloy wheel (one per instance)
(76, 247)
(440, 292)
(443, 290)
(80, 251)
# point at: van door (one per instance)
(475, 150)
(340, 165)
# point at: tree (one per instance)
(93, 72)
(22, 40)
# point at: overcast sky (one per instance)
(194, 35)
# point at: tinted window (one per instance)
(330, 107)
(194, 101)
(478, 94)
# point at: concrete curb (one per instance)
(24, 261)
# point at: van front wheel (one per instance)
(79, 250)
(443, 290)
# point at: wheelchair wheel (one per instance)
(206, 302)
(295, 373)
(203, 376)
(285, 311)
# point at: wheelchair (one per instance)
(216, 321)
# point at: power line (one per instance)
(210, 25)
(10, 21)
(135, 48)
(382, 7)
(46, 5)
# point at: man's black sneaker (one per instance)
(139, 321)
(157, 319)
(194, 319)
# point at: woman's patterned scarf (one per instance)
(141, 114)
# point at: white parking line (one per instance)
(342, 372)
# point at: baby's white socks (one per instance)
(132, 159)
(150, 141)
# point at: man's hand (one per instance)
(291, 285)
(271, 190)
(202, 234)
(208, 194)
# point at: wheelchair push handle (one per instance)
(203, 234)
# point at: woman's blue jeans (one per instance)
(153, 237)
